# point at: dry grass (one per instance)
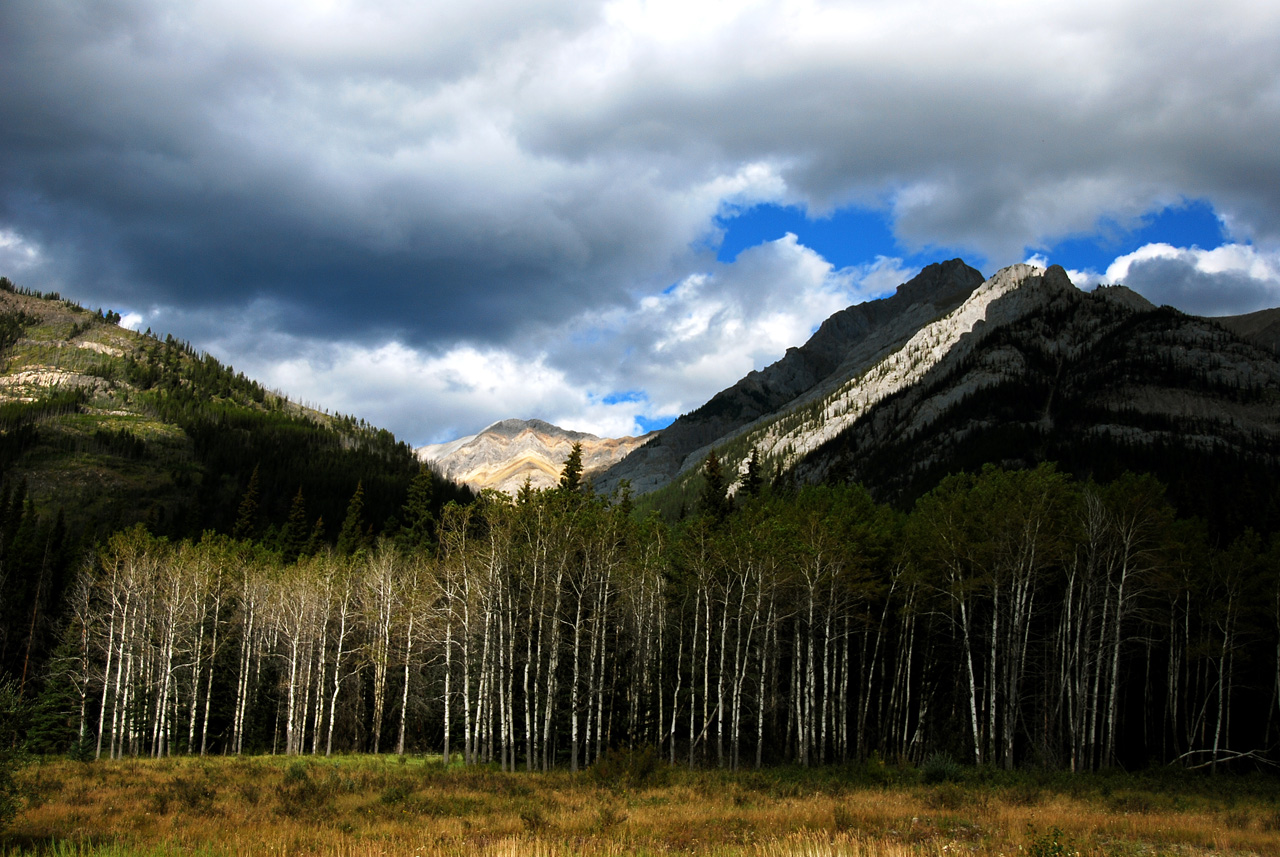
(366, 806)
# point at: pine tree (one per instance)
(293, 538)
(246, 526)
(571, 476)
(715, 500)
(316, 542)
(417, 532)
(351, 538)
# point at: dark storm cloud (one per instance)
(499, 176)
(156, 165)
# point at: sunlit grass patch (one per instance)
(364, 805)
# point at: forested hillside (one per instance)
(1010, 618)
(102, 428)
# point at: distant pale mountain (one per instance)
(507, 453)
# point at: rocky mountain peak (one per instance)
(509, 452)
(940, 283)
(845, 345)
(1124, 296)
(514, 427)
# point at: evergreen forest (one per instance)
(1009, 618)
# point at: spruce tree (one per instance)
(715, 499)
(351, 537)
(246, 526)
(316, 542)
(293, 538)
(417, 532)
(571, 476)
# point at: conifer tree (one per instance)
(417, 532)
(316, 542)
(571, 476)
(351, 537)
(246, 526)
(293, 538)
(715, 501)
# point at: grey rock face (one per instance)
(846, 344)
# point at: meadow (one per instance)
(360, 806)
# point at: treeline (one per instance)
(1009, 618)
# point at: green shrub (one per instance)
(941, 768)
(1053, 843)
(300, 795)
(628, 768)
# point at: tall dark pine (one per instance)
(571, 476)
(715, 500)
(316, 542)
(293, 539)
(351, 536)
(419, 527)
(246, 526)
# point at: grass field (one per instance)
(363, 805)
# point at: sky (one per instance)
(435, 216)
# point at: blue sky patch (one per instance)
(853, 236)
(849, 236)
(1192, 224)
(648, 424)
(625, 396)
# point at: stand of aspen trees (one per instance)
(1011, 617)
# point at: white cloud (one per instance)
(1227, 280)
(599, 372)
(17, 254)
(132, 320)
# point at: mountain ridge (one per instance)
(848, 340)
(860, 428)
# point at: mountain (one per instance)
(113, 427)
(844, 346)
(1028, 368)
(1099, 383)
(1262, 328)
(509, 452)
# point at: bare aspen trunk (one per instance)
(693, 672)
(724, 634)
(764, 668)
(573, 687)
(675, 697)
(404, 695)
(553, 668)
(446, 752)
